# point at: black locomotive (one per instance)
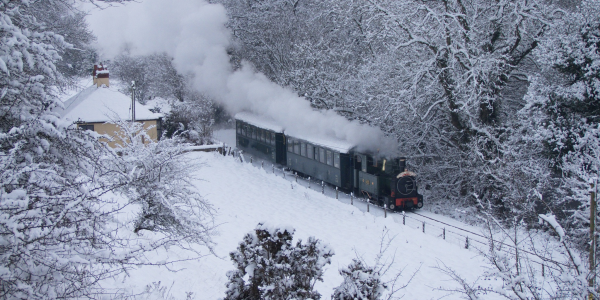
(383, 180)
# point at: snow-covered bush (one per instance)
(365, 282)
(361, 282)
(192, 119)
(157, 176)
(269, 266)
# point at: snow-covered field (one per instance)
(244, 195)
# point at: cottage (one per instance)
(98, 108)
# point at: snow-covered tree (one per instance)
(269, 266)
(62, 191)
(154, 76)
(528, 264)
(563, 106)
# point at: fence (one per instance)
(467, 238)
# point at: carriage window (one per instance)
(290, 145)
(272, 138)
(329, 158)
(310, 151)
(244, 129)
(363, 164)
(253, 129)
(336, 160)
(303, 149)
(297, 147)
(322, 155)
(239, 128)
(263, 136)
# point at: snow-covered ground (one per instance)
(244, 195)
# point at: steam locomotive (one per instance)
(383, 180)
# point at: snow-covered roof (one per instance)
(258, 121)
(336, 144)
(319, 140)
(95, 105)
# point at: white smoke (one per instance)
(193, 32)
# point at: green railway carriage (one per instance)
(320, 161)
(259, 139)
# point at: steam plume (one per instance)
(193, 32)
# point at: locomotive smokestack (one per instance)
(402, 164)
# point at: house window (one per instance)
(86, 127)
(336, 160)
(329, 158)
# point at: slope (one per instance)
(244, 195)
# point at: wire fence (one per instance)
(428, 225)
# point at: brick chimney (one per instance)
(100, 75)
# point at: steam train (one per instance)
(383, 180)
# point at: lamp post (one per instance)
(133, 101)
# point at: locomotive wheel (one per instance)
(392, 206)
(420, 204)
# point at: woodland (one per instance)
(495, 103)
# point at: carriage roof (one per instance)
(322, 140)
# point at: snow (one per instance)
(339, 145)
(244, 195)
(203, 147)
(161, 103)
(103, 105)
(551, 219)
(258, 121)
